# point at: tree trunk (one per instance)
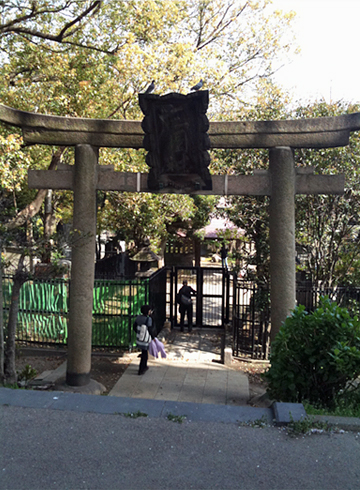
(162, 252)
(197, 251)
(48, 222)
(9, 362)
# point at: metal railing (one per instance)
(251, 313)
(251, 320)
(213, 302)
(44, 306)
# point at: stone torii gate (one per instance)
(281, 182)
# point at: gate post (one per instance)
(199, 296)
(83, 266)
(282, 236)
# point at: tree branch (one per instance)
(94, 7)
(33, 208)
(14, 27)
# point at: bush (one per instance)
(315, 356)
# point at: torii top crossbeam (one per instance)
(323, 132)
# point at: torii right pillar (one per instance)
(282, 235)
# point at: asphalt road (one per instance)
(54, 449)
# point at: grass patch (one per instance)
(257, 423)
(135, 415)
(176, 418)
(307, 426)
(14, 386)
(346, 405)
(27, 374)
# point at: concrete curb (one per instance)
(351, 424)
(278, 414)
(200, 412)
(284, 413)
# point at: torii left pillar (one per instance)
(82, 276)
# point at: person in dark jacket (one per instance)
(185, 302)
(224, 255)
(143, 344)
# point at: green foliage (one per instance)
(314, 356)
(328, 226)
(135, 415)
(176, 418)
(27, 373)
(347, 404)
(306, 426)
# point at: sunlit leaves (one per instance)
(108, 56)
(328, 226)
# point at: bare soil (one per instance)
(253, 370)
(106, 369)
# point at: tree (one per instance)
(51, 65)
(34, 21)
(135, 218)
(92, 58)
(328, 226)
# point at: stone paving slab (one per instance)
(196, 382)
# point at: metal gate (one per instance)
(213, 303)
(158, 297)
(251, 320)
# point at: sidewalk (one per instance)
(192, 372)
(190, 382)
(199, 382)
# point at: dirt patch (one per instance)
(253, 370)
(106, 369)
(39, 363)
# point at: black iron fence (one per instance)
(346, 297)
(44, 306)
(251, 319)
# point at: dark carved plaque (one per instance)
(177, 142)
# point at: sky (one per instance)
(328, 67)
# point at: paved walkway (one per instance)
(192, 372)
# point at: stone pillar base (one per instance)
(91, 388)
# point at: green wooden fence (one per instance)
(44, 307)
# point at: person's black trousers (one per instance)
(188, 310)
(143, 361)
